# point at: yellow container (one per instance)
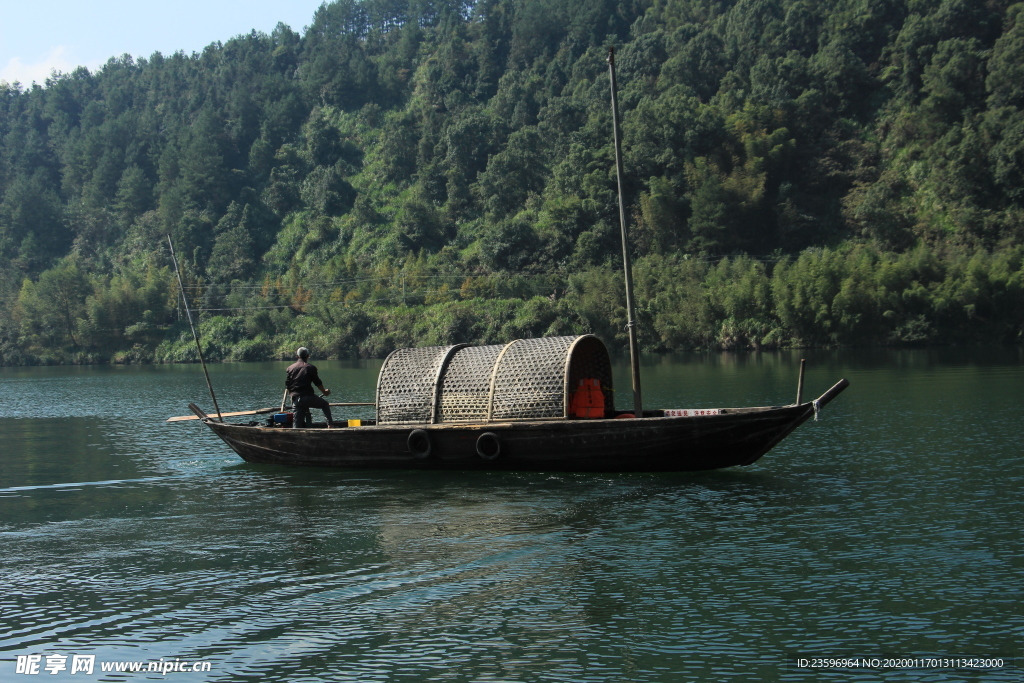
(355, 423)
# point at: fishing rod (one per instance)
(194, 335)
(634, 353)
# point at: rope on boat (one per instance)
(816, 409)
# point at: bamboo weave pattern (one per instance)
(467, 384)
(528, 379)
(405, 387)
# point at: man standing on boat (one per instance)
(300, 378)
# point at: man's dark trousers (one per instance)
(302, 404)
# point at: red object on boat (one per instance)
(588, 400)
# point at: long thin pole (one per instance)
(800, 384)
(194, 335)
(634, 353)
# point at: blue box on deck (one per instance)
(283, 419)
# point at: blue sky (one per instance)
(64, 34)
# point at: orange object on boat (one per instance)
(588, 400)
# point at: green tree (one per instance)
(51, 308)
(134, 193)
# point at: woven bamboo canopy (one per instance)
(527, 379)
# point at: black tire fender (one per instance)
(419, 444)
(488, 446)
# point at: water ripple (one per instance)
(890, 525)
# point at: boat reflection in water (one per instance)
(532, 405)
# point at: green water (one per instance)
(889, 528)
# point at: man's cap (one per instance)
(302, 353)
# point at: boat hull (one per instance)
(652, 444)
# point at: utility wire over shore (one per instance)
(859, 296)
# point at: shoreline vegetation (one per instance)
(801, 174)
(854, 296)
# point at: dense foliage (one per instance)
(800, 173)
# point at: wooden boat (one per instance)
(533, 404)
(734, 436)
(510, 407)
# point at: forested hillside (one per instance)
(407, 172)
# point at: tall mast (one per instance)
(634, 352)
(194, 335)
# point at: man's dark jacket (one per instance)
(300, 378)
